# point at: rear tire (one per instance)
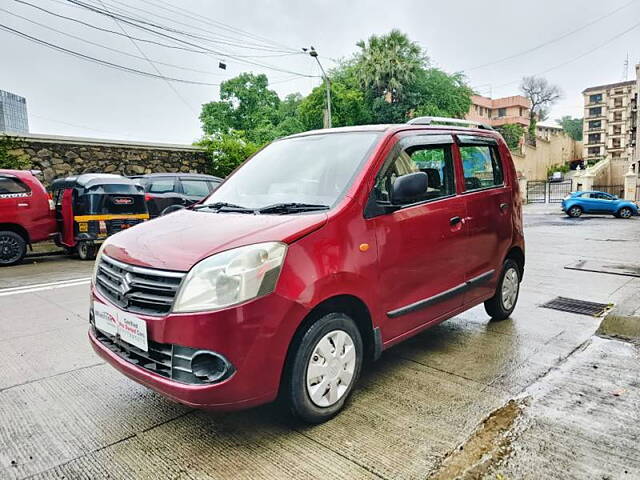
(625, 212)
(502, 304)
(13, 248)
(575, 211)
(87, 251)
(322, 369)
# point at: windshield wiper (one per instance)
(291, 207)
(224, 207)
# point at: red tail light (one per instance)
(147, 197)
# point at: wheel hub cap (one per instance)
(510, 286)
(331, 368)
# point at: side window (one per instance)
(481, 166)
(434, 160)
(195, 188)
(214, 185)
(165, 185)
(12, 186)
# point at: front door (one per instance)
(489, 206)
(421, 243)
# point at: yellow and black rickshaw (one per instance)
(92, 206)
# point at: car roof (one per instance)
(177, 174)
(18, 173)
(88, 180)
(391, 129)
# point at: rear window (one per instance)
(12, 186)
(481, 167)
(195, 188)
(164, 185)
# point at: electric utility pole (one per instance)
(327, 116)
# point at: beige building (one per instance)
(610, 120)
(499, 111)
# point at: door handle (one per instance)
(23, 204)
(454, 221)
(504, 206)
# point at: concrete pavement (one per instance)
(66, 414)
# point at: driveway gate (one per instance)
(559, 190)
(536, 191)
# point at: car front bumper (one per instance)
(254, 337)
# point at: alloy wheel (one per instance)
(575, 212)
(510, 286)
(331, 368)
(625, 213)
(10, 249)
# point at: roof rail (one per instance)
(450, 121)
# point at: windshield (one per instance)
(314, 169)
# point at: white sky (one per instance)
(69, 96)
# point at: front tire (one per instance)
(625, 212)
(87, 251)
(502, 304)
(13, 248)
(323, 368)
(575, 211)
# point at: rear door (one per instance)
(421, 245)
(489, 207)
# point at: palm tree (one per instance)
(387, 63)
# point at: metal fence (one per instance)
(536, 191)
(539, 191)
(611, 189)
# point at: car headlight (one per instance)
(96, 263)
(231, 277)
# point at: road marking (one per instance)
(44, 286)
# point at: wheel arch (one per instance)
(16, 228)
(517, 255)
(350, 305)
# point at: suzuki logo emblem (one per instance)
(125, 284)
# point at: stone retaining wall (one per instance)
(63, 156)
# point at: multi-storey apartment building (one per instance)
(500, 111)
(610, 122)
(13, 113)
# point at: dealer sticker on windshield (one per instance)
(114, 321)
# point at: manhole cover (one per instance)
(576, 306)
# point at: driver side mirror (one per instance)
(407, 187)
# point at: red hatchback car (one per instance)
(317, 254)
(27, 214)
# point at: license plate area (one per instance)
(125, 326)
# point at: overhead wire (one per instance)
(154, 66)
(553, 40)
(98, 60)
(115, 50)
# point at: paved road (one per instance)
(64, 413)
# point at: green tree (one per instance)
(348, 106)
(572, 127)
(512, 134)
(386, 64)
(246, 104)
(8, 159)
(438, 93)
(227, 151)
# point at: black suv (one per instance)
(166, 189)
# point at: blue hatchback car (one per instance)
(577, 203)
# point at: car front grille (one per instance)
(164, 359)
(136, 289)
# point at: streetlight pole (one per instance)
(314, 54)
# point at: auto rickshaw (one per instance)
(92, 206)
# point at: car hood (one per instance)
(179, 240)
